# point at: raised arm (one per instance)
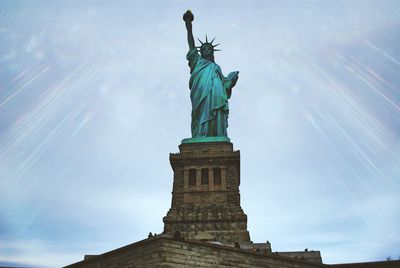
(188, 18)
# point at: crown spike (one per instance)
(217, 49)
(216, 45)
(206, 39)
(212, 41)
(200, 41)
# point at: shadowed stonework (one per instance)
(205, 226)
(205, 197)
(166, 252)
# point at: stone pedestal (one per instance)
(205, 196)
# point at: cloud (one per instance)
(85, 144)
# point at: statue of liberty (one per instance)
(209, 90)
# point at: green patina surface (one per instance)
(205, 139)
(209, 93)
(209, 90)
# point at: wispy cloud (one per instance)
(94, 96)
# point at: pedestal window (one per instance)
(192, 177)
(204, 176)
(217, 176)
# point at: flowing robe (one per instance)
(209, 93)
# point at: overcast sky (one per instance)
(94, 96)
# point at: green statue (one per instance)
(209, 89)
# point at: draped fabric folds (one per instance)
(209, 93)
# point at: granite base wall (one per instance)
(166, 252)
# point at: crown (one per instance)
(206, 43)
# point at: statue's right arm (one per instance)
(190, 34)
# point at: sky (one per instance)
(94, 96)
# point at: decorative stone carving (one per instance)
(214, 210)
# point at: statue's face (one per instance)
(207, 52)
